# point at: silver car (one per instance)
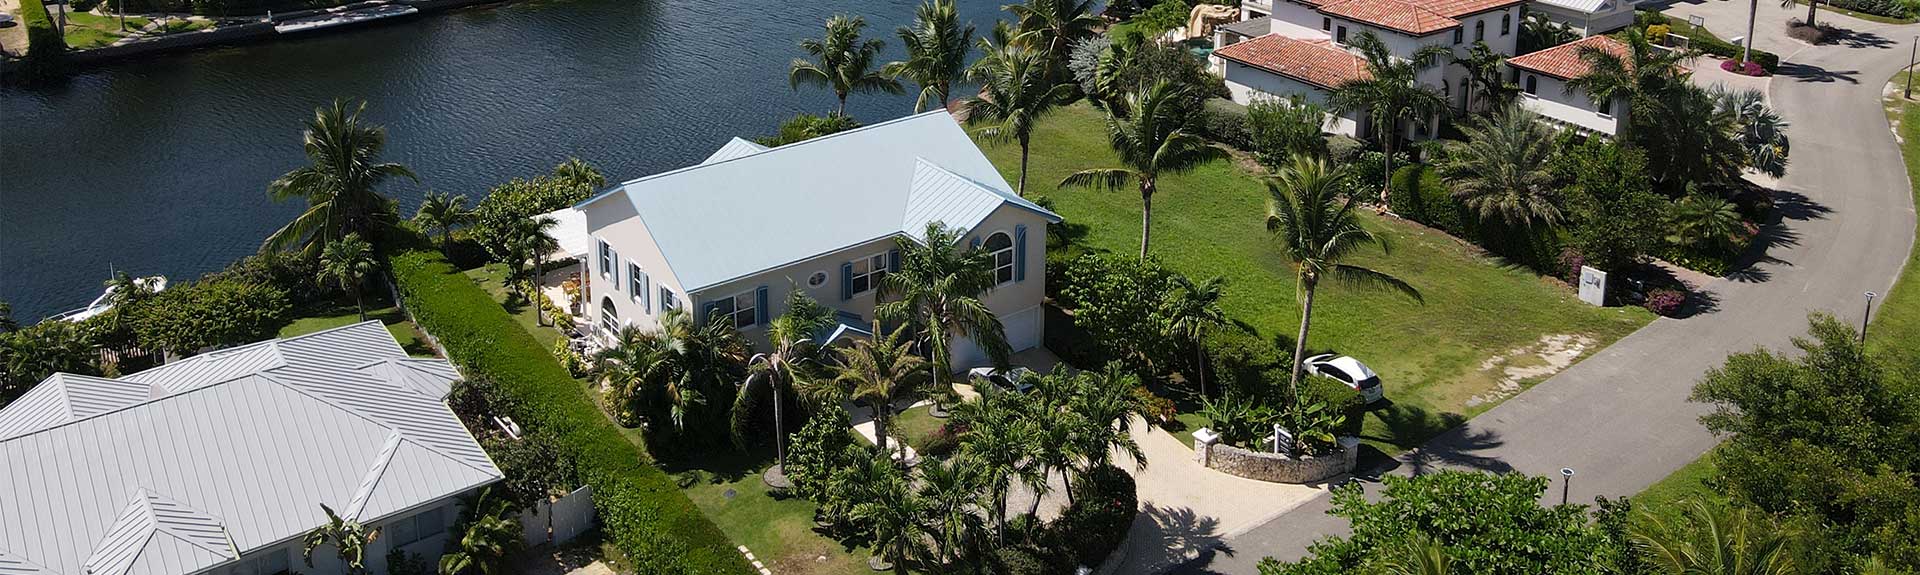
(1348, 371)
(1014, 380)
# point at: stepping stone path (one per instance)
(756, 562)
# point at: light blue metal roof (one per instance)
(734, 148)
(745, 214)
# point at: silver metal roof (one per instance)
(734, 148)
(740, 215)
(1588, 6)
(241, 445)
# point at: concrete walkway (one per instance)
(1621, 418)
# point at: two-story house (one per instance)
(733, 236)
(1542, 77)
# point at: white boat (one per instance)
(103, 303)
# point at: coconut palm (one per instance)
(999, 442)
(1193, 309)
(1156, 135)
(842, 62)
(1813, 7)
(1502, 172)
(1052, 26)
(348, 261)
(348, 537)
(529, 241)
(1641, 78)
(1537, 32)
(938, 290)
(894, 513)
(951, 490)
(443, 212)
(338, 182)
(937, 47)
(1423, 555)
(486, 536)
(879, 372)
(1317, 230)
(640, 368)
(1014, 95)
(1391, 94)
(578, 173)
(790, 363)
(1715, 541)
(709, 358)
(1486, 77)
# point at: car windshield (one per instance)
(1369, 382)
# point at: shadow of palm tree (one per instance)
(1457, 449)
(1777, 233)
(1816, 73)
(1165, 537)
(1856, 39)
(1409, 426)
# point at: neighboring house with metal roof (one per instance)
(1542, 77)
(219, 463)
(1588, 17)
(732, 236)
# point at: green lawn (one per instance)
(403, 330)
(493, 278)
(1898, 321)
(1861, 15)
(1667, 498)
(87, 30)
(779, 531)
(1211, 222)
(913, 425)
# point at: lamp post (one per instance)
(1912, 51)
(1746, 46)
(1869, 312)
(1566, 483)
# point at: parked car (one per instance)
(1014, 380)
(1348, 371)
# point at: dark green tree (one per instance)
(842, 62)
(339, 182)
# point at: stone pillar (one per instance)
(1350, 449)
(1203, 441)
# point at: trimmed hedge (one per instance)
(1418, 194)
(43, 39)
(641, 510)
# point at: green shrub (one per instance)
(1104, 502)
(1339, 398)
(1243, 364)
(43, 39)
(1022, 560)
(1162, 17)
(1887, 8)
(641, 510)
(1418, 194)
(1224, 121)
(211, 313)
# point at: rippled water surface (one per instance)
(160, 165)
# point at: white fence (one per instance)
(565, 518)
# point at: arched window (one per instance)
(1506, 24)
(609, 317)
(1533, 84)
(1000, 247)
(1479, 30)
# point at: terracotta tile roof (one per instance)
(1564, 61)
(1458, 8)
(1401, 15)
(1315, 62)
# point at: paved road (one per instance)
(1621, 418)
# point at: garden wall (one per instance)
(1275, 467)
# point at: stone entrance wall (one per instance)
(1276, 467)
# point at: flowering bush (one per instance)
(1665, 302)
(1570, 262)
(943, 441)
(1155, 409)
(1750, 69)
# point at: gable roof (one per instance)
(1415, 17)
(743, 211)
(1564, 61)
(240, 445)
(1315, 62)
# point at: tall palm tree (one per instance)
(1391, 95)
(1192, 310)
(1014, 95)
(951, 489)
(937, 47)
(999, 442)
(938, 290)
(1502, 169)
(638, 368)
(1715, 541)
(1317, 229)
(348, 261)
(790, 363)
(1156, 135)
(348, 537)
(1486, 77)
(842, 62)
(1642, 78)
(485, 537)
(894, 512)
(879, 372)
(529, 242)
(443, 212)
(1053, 26)
(578, 173)
(338, 182)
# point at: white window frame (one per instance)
(609, 316)
(1013, 260)
(435, 519)
(634, 273)
(608, 259)
(876, 271)
(751, 297)
(667, 299)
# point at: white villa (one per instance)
(1542, 77)
(732, 236)
(1283, 48)
(219, 463)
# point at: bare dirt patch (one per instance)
(1522, 365)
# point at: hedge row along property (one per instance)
(641, 510)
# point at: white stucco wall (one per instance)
(1247, 83)
(1552, 100)
(614, 221)
(1613, 15)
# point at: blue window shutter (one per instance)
(1020, 253)
(760, 306)
(893, 260)
(846, 281)
(706, 312)
(975, 244)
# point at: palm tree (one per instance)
(348, 261)
(639, 367)
(842, 62)
(1192, 310)
(487, 537)
(709, 359)
(1762, 132)
(1700, 220)
(937, 47)
(951, 490)
(348, 537)
(443, 212)
(1715, 541)
(1317, 230)
(938, 290)
(1391, 94)
(789, 364)
(1642, 78)
(1485, 76)
(1052, 26)
(338, 182)
(999, 443)
(879, 372)
(529, 241)
(578, 173)
(894, 512)
(1502, 169)
(1812, 8)
(1014, 94)
(1537, 32)
(1423, 556)
(1156, 135)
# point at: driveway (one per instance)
(1620, 419)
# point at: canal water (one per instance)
(160, 165)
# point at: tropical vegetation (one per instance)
(842, 62)
(339, 184)
(937, 47)
(1153, 133)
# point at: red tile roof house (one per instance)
(1542, 77)
(1288, 47)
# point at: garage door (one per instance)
(1023, 329)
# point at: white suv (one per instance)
(1348, 371)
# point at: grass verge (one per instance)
(1897, 324)
(1211, 222)
(88, 30)
(1667, 498)
(396, 321)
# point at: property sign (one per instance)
(1282, 440)
(1593, 286)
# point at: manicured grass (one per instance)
(87, 30)
(493, 278)
(396, 321)
(1190, 422)
(727, 487)
(1861, 15)
(913, 425)
(1897, 324)
(1212, 222)
(1669, 497)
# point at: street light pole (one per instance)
(1870, 296)
(1566, 483)
(1911, 52)
(1746, 46)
